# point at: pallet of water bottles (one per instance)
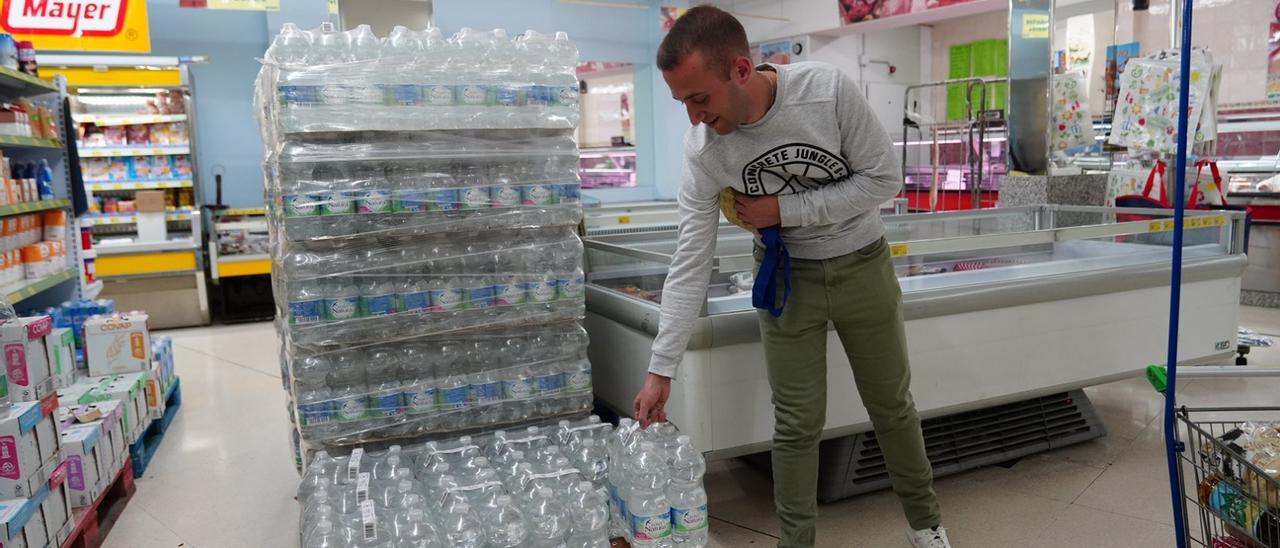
(324, 80)
(574, 484)
(434, 385)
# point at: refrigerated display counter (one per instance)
(1001, 305)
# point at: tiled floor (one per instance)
(224, 478)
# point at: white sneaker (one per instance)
(929, 538)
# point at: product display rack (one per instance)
(608, 167)
(147, 275)
(66, 283)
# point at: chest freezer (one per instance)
(1001, 305)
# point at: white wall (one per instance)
(899, 47)
(800, 16)
(384, 15)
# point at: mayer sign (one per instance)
(78, 25)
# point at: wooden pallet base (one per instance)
(94, 521)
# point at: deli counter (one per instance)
(1001, 305)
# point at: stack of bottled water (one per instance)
(325, 80)
(427, 269)
(539, 487)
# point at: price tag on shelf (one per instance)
(624, 220)
(898, 250)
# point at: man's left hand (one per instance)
(757, 212)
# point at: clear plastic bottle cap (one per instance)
(517, 455)
(588, 442)
(646, 446)
(417, 514)
(544, 492)
(682, 439)
(393, 460)
(482, 462)
(562, 462)
(562, 35)
(405, 486)
(585, 486)
(465, 440)
(325, 527)
(564, 423)
(532, 430)
(503, 500)
(462, 508)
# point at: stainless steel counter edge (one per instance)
(741, 327)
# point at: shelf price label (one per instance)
(898, 250)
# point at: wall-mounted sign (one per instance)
(78, 25)
(244, 5)
(1035, 26)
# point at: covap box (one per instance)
(61, 347)
(120, 343)
(57, 508)
(26, 360)
(87, 459)
(109, 416)
(28, 447)
(128, 389)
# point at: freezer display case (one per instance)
(1001, 305)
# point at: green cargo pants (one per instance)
(859, 293)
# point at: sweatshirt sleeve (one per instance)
(875, 172)
(690, 273)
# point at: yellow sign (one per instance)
(115, 76)
(333, 7)
(249, 5)
(1035, 25)
(1190, 223)
(898, 250)
(78, 25)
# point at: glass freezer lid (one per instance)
(940, 250)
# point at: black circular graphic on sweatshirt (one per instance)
(792, 168)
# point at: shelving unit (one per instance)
(64, 284)
(239, 263)
(138, 150)
(607, 167)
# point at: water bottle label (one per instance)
(339, 203)
(655, 527)
(410, 201)
(454, 398)
(407, 95)
(474, 95)
(421, 400)
(689, 520)
(362, 487)
(444, 200)
(369, 521)
(316, 413)
(511, 294)
(342, 308)
(490, 392)
(304, 312)
(566, 96)
(570, 288)
(351, 409)
(578, 381)
(540, 195)
(508, 96)
(443, 300)
(438, 95)
(505, 196)
(570, 193)
(390, 405)
(475, 197)
(301, 205)
(542, 291)
(374, 201)
(355, 95)
(417, 301)
(518, 389)
(300, 96)
(538, 96)
(479, 297)
(550, 384)
(380, 305)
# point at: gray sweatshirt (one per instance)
(819, 148)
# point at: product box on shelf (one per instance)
(27, 368)
(87, 458)
(161, 375)
(61, 347)
(119, 343)
(129, 390)
(29, 449)
(57, 508)
(108, 416)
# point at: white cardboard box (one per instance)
(61, 347)
(14, 515)
(112, 447)
(119, 343)
(129, 389)
(57, 508)
(28, 447)
(87, 457)
(26, 360)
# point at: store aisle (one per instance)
(222, 477)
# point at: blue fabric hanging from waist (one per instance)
(764, 292)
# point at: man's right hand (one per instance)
(651, 402)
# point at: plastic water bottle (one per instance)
(306, 302)
(505, 525)
(439, 92)
(419, 384)
(548, 520)
(413, 294)
(388, 465)
(454, 388)
(564, 61)
(475, 94)
(290, 46)
(413, 529)
(373, 192)
(486, 394)
(384, 385)
(315, 406)
(686, 495)
(592, 461)
(330, 46)
(377, 296)
(325, 536)
(617, 478)
(461, 528)
(350, 391)
(364, 45)
(341, 300)
(322, 466)
(589, 514)
(650, 512)
(402, 44)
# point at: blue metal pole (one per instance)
(1175, 283)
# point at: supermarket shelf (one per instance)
(243, 211)
(112, 152)
(29, 142)
(230, 266)
(19, 292)
(252, 226)
(93, 290)
(22, 84)
(607, 151)
(101, 186)
(29, 207)
(143, 264)
(144, 247)
(128, 119)
(100, 219)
